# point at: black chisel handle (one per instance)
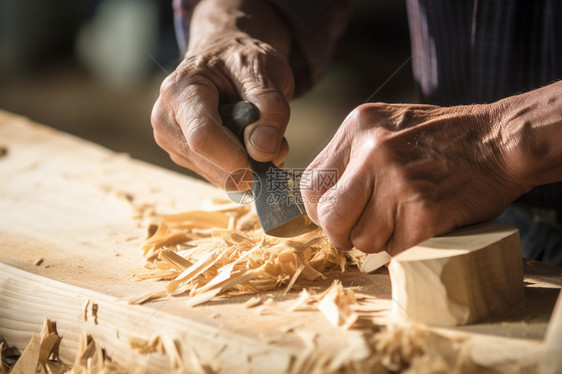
(238, 116)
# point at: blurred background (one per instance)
(93, 68)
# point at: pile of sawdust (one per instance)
(223, 250)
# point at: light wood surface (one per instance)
(552, 362)
(460, 278)
(73, 216)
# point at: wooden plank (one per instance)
(83, 210)
(460, 278)
(25, 299)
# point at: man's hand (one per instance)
(408, 172)
(227, 62)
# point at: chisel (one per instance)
(276, 192)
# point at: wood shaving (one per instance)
(95, 308)
(151, 230)
(145, 346)
(308, 337)
(172, 348)
(290, 327)
(42, 352)
(340, 306)
(407, 349)
(416, 349)
(369, 262)
(85, 310)
(223, 251)
(42, 356)
(336, 305)
(8, 356)
(38, 262)
(92, 359)
(397, 347)
(304, 301)
(254, 301)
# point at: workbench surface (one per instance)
(73, 216)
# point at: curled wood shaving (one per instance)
(369, 262)
(223, 251)
(340, 306)
(336, 305)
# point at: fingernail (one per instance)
(265, 138)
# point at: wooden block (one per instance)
(459, 278)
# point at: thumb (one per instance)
(264, 138)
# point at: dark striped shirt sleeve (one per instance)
(183, 10)
(316, 30)
(480, 51)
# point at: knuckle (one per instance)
(367, 239)
(363, 112)
(358, 120)
(378, 148)
(158, 117)
(272, 102)
(179, 160)
(194, 71)
(363, 241)
(378, 116)
(169, 86)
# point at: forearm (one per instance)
(530, 133)
(300, 30)
(216, 19)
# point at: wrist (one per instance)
(215, 20)
(530, 135)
